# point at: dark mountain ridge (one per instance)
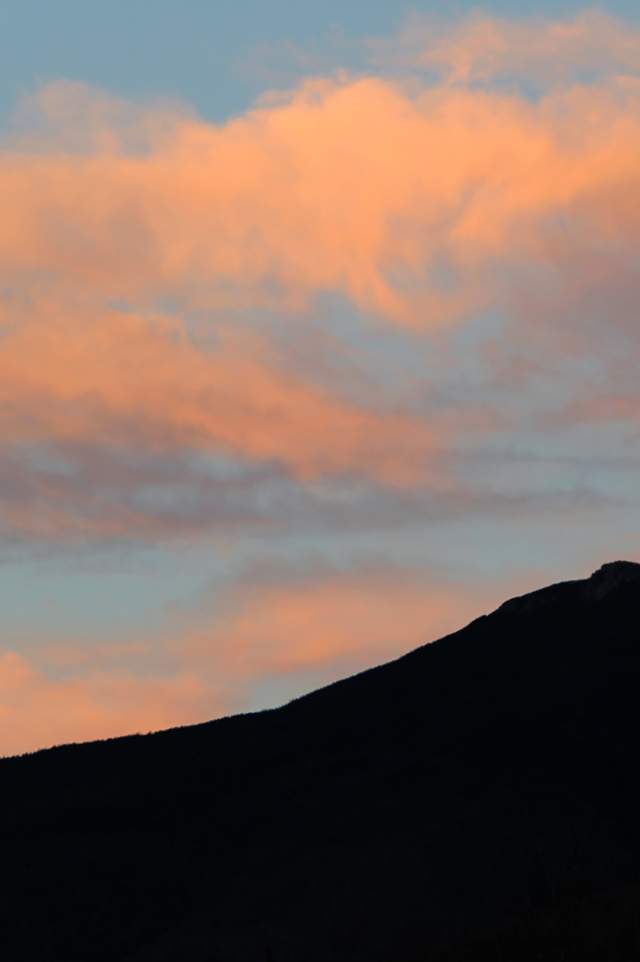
(477, 798)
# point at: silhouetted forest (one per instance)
(476, 799)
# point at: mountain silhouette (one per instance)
(476, 799)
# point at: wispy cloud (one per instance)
(106, 414)
(310, 624)
(482, 47)
(37, 710)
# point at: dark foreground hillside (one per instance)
(476, 799)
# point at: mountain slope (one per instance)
(476, 797)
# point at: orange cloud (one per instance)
(423, 205)
(403, 202)
(298, 628)
(68, 375)
(37, 711)
(340, 620)
(482, 47)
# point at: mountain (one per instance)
(476, 799)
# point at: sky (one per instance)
(318, 339)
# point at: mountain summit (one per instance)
(612, 575)
(475, 799)
(606, 579)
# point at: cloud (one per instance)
(600, 407)
(482, 48)
(144, 254)
(289, 627)
(405, 202)
(108, 416)
(37, 710)
(152, 267)
(278, 621)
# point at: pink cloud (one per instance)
(303, 627)
(37, 711)
(296, 622)
(70, 374)
(423, 205)
(403, 202)
(482, 47)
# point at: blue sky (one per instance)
(205, 53)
